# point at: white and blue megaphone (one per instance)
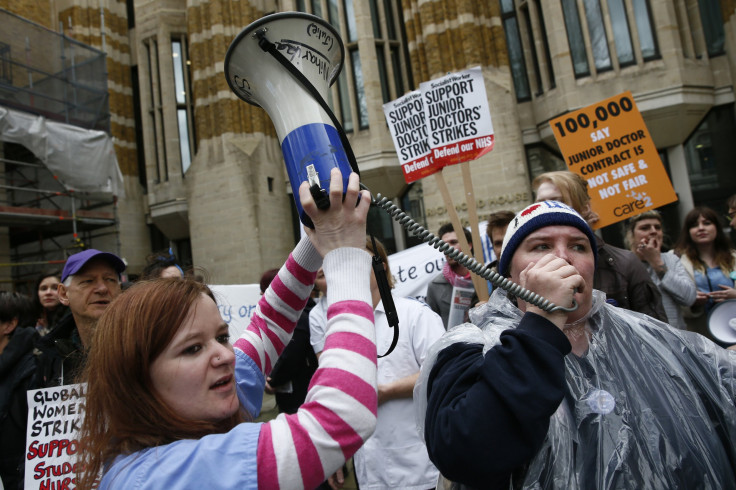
(285, 63)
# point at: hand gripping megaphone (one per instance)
(285, 63)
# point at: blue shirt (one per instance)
(710, 281)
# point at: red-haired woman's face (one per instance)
(195, 372)
(703, 232)
(48, 293)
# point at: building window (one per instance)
(516, 50)
(184, 105)
(621, 34)
(647, 41)
(575, 38)
(389, 53)
(526, 40)
(391, 56)
(710, 16)
(541, 159)
(619, 14)
(709, 155)
(155, 111)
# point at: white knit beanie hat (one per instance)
(534, 217)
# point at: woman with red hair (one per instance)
(171, 403)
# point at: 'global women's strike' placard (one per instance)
(608, 144)
(52, 439)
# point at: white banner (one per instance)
(414, 268)
(237, 303)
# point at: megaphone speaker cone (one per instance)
(722, 322)
(305, 130)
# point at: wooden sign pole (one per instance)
(479, 283)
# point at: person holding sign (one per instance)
(443, 290)
(619, 273)
(600, 397)
(170, 401)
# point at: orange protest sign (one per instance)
(608, 144)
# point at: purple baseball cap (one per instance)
(79, 260)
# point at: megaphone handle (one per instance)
(271, 49)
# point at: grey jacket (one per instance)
(676, 286)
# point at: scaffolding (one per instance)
(50, 74)
(46, 211)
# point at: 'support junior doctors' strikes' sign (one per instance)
(445, 122)
(408, 126)
(459, 124)
(609, 145)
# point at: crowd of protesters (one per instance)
(630, 390)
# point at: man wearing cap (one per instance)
(599, 397)
(89, 282)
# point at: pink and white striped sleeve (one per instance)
(279, 308)
(339, 414)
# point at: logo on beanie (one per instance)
(530, 209)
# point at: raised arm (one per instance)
(339, 414)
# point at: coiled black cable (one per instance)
(470, 263)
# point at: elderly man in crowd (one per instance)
(89, 282)
(600, 397)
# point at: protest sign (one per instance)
(408, 127)
(236, 303)
(609, 145)
(462, 296)
(414, 268)
(52, 438)
(459, 125)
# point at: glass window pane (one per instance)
(317, 8)
(575, 38)
(359, 89)
(710, 15)
(525, 17)
(186, 156)
(342, 92)
(507, 6)
(301, 5)
(382, 74)
(375, 19)
(389, 13)
(181, 95)
(350, 21)
(647, 43)
(550, 69)
(516, 59)
(621, 34)
(334, 18)
(396, 64)
(597, 33)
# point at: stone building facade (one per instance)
(203, 170)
